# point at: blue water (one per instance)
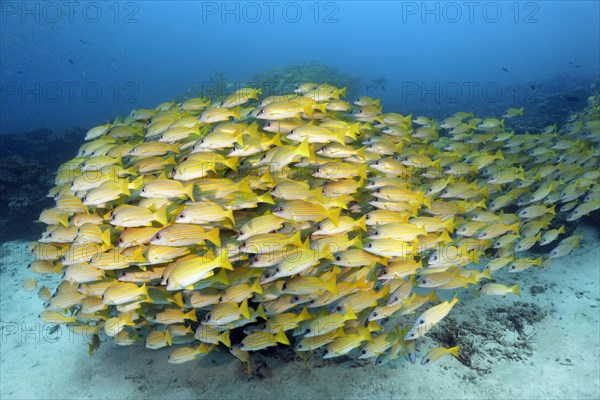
(66, 65)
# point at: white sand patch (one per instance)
(563, 361)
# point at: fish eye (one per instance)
(295, 298)
(369, 245)
(157, 236)
(84, 199)
(376, 232)
(284, 286)
(363, 352)
(144, 190)
(325, 351)
(338, 258)
(292, 131)
(367, 216)
(277, 269)
(181, 216)
(262, 110)
(374, 313)
(308, 330)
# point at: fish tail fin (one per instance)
(357, 242)
(304, 315)
(331, 284)
(561, 229)
(334, 215)
(192, 315)
(229, 215)
(342, 91)
(449, 225)
(235, 113)
(281, 338)
(454, 351)
(225, 263)
(377, 103)
(189, 190)
(514, 227)
(520, 111)
(515, 289)
(349, 314)
(64, 220)
(303, 149)
(224, 338)
(168, 337)
(174, 148)
(362, 171)
(105, 237)
(317, 193)
(384, 292)
(340, 137)
(221, 277)
(426, 201)
(260, 312)
(144, 290)
(538, 261)
(361, 152)
(552, 210)
(232, 163)
(433, 297)
(296, 239)
(160, 216)
(128, 320)
(487, 273)
(58, 268)
(322, 107)
(276, 141)
(362, 223)
(178, 299)
(244, 309)
(256, 287)
(213, 237)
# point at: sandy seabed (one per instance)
(542, 345)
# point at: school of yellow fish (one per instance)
(302, 220)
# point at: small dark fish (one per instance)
(577, 66)
(83, 41)
(54, 329)
(94, 344)
(505, 70)
(572, 98)
(71, 61)
(377, 83)
(571, 62)
(20, 72)
(532, 87)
